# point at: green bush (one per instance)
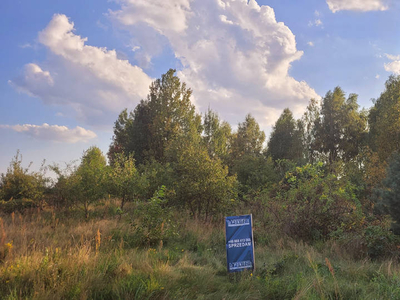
(20, 187)
(155, 224)
(311, 204)
(14, 205)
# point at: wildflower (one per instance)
(9, 246)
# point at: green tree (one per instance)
(248, 140)
(88, 183)
(156, 122)
(389, 194)
(340, 130)
(202, 184)
(384, 120)
(286, 140)
(216, 135)
(311, 115)
(125, 181)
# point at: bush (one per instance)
(312, 205)
(16, 205)
(155, 223)
(20, 187)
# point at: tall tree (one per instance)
(286, 140)
(389, 194)
(216, 135)
(308, 120)
(157, 121)
(340, 129)
(248, 140)
(384, 120)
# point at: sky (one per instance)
(68, 68)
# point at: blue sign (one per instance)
(239, 243)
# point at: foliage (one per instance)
(248, 140)
(201, 183)
(313, 204)
(286, 140)
(384, 120)
(340, 130)
(216, 135)
(155, 220)
(20, 188)
(389, 194)
(157, 121)
(88, 182)
(125, 181)
(255, 173)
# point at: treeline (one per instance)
(332, 174)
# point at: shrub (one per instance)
(20, 188)
(155, 223)
(312, 204)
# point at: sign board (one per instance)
(239, 243)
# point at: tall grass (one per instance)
(60, 255)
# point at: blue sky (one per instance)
(69, 67)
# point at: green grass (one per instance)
(51, 255)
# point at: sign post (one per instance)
(239, 243)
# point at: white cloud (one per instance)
(316, 22)
(92, 81)
(311, 44)
(377, 76)
(54, 133)
(235, 55)
(392, 57)
(357, 5)
(394, 65)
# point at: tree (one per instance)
(125, 181)
(384, 120)
(216, 135)
(202, 184)
(286, 139)
(389, 194)
(157, 121)
(311, 115)
(88, 182)
(340, 130)
(248, 140)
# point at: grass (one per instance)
(59, 255)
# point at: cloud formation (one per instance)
(394, 65)
(357, 5)
(54, 133)
(92, 81)
(235, 55)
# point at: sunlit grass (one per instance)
(57, 255)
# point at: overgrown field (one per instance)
(61, 255)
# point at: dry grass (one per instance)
(57, 255)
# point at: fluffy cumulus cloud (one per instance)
(394, 65)
(357, 5)
(54, 132)
(92, 81)
(234, 53)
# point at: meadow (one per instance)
(50, 254)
